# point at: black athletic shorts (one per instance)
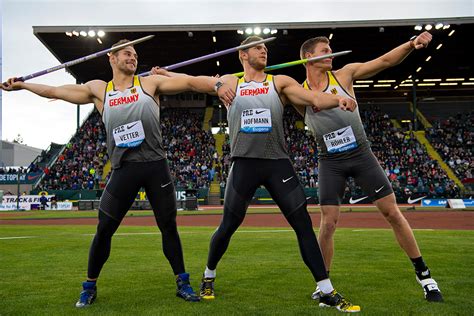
(362, 165)
(277, 175)
(126, 181)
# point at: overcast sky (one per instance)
(40, 122)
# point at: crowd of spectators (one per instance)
(194, 161)
(405, 161)
(191, 151)
(32, 168)
(12, 170)
(224, 162)
(453, 139)
(80, 165)
(302, 149)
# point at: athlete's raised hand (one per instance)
(226, 93)
(159, 71)
(422, 40)
(12, 84)
(347, 104)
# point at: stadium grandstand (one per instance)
(423, 141)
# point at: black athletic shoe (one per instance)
(429, 285)
(184, 289)
(336, 300)
(88, 294)
(206, 290)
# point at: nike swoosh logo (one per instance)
(286, 180)
(112, 94)
(357, 200)
(130, 126)
(410, 201)
(244, 85)
(342, 132)
(165, 185)
(378, 190)
(258, 112)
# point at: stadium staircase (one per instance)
(421, 118)
(214, 197)
(299, 125)
(420, 136)
(395, 123)
(105, 172)
(51, 155)
(207, 117)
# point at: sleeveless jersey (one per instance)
(256, 121)
(336, 131)
(132, 123)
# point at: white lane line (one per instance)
(372, 229)
(17, 237)
(202, 232)
(266, 231)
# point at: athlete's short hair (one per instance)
(248, 40)
(309, 45)
(122, 41)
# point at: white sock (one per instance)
(209, 273)
(325, 286)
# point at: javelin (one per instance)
(299, 62)
(83, 59)
(213, 55)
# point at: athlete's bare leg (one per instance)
(403, 232)
(329, 217)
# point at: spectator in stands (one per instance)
(43, 201)
(453, 139)
(54, 202)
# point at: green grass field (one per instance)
(261, 274)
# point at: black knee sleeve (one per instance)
(301, 223)
(101, 244)
(113, 206)
(234, 202)
(293, 201)
(234, 213)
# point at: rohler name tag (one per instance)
(341, 140)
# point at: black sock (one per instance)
(95, 281)
(419, 264)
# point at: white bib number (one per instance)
(341, 140)
(129, 135)
(256, 121)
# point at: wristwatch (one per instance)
(412, 41)
(218, 85)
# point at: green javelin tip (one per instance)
(298, 62)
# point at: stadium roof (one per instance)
(450, 57)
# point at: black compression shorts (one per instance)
(126, 181)
(362, 165)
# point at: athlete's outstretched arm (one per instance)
(390, 59)
(74, 93)
(163, 72)
(299, 96)
(203, 84)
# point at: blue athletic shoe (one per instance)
(184, 290)
(88, 294)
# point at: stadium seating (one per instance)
(194, 161)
